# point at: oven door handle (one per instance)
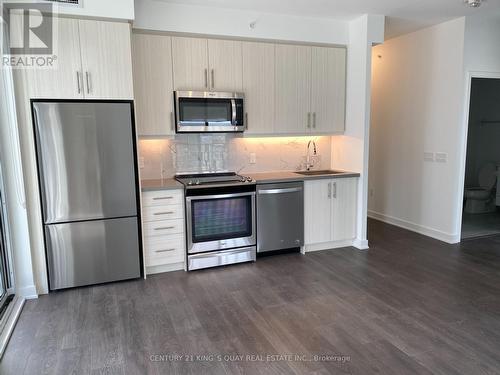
(233, 112)
(220, 196)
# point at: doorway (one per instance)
(481, 203)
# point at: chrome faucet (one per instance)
(310, 164)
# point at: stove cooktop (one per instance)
(227, 178)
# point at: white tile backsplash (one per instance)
(195, 153)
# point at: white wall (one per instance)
(417, 106)
(113, 9)
(163, 16)
(15, 200)
(350, 151)
(482, 47)
(481, 59)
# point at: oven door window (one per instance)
(203, 112)
(221, 219)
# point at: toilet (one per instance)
(480, 200)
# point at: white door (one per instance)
(328, 89)
(293, 88)
(258, 86)
(344, 198)
(106, 59)
(153, 84)
(225, 63)
(190, 63)
(317, 211)
(65, 80)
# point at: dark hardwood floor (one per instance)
(410, 305)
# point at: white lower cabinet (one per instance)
(163, 230)
(330, 207)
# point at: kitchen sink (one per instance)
(318, 173)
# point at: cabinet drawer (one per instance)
(167, 212)
(164, 250)
(162, 197)
(163, 227)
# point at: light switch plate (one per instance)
(141, 162)
(428, 156)
(441, 157)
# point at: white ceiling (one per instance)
(403, 16)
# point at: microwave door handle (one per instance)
(233, 114)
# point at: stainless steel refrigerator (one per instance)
(88, 186)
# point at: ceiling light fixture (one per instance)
(473, 3)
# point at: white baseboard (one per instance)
(165, 268)
(360, 244)
(27, 292)
(328, 245)
(421, 229)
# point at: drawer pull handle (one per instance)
(164, 228)
(163, 213)
(164, 251)
(162, 198)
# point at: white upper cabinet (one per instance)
(93, 61)
(106, 59)
(328, 87)
(64, 81)
(153, 84)
(201, 64)
(225, 64)
(258, 86)
(190, 63)
(293, 89)
(289, 89)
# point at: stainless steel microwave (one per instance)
(212, 112)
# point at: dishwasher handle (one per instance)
(280, 191)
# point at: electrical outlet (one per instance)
(253, 158)
(141, 162)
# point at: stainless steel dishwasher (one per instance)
(280, 216)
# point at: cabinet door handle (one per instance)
(213, 79)
(172, 121)
(87, 77)
(206, 78)
(329, 190)
(78, 82)
(165, 228)
(314, 120)
(164, 250)
(309, 120)
(335, 190)
(246, 120)
(163, 213)
(161, 198)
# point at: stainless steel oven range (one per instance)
(220, 219)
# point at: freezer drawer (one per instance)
(92, 252)
(280, 216)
